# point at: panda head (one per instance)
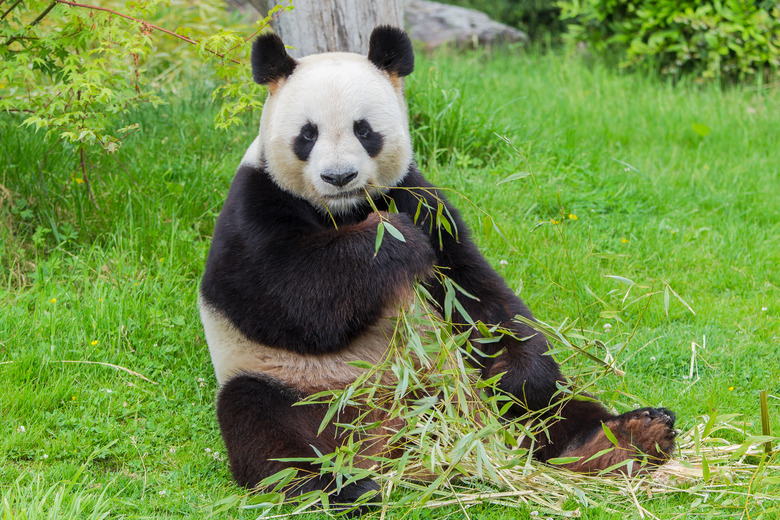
(334, 126)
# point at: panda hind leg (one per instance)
(575, 427)
(260, 424)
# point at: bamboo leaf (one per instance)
(562, 460)
(515, 177)
(666, 301)
(380, 233)
(608, 433)
(679, 298)
(394, 232)
(487, 226)
(620, 279)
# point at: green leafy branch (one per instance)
(77, 70)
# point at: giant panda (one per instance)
(294, 289)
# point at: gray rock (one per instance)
(435, 24)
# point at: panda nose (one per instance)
(338, 179)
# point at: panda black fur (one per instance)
(293, 289)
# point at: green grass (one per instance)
(655, 202)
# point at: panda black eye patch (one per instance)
(304, 142)
(372, 141)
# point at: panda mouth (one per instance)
(351, 194)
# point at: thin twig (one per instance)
(127, 172)
(10, 9)
(274, 17)
(145, 24)
(33, 23)
(93, 168)
(43, 161)
(86, 178)
(132, 373)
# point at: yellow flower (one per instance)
(79, 180)
(624, 240)
(572, 216)
(554, 221)
(53, 300)
(100, 300)
(731, 389)
(94, 343)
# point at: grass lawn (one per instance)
(636, 187)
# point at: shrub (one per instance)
(538, 18)
(713, 39)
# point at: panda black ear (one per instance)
(390, 49)
(270, 61)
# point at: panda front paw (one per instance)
(651, 431)
(419, 252)
(645, 436)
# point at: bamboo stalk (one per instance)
(765, 429)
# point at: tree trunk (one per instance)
(332, 25)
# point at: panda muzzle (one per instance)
(338, 179)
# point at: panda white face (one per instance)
(334, 130)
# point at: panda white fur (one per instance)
(293, 289)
